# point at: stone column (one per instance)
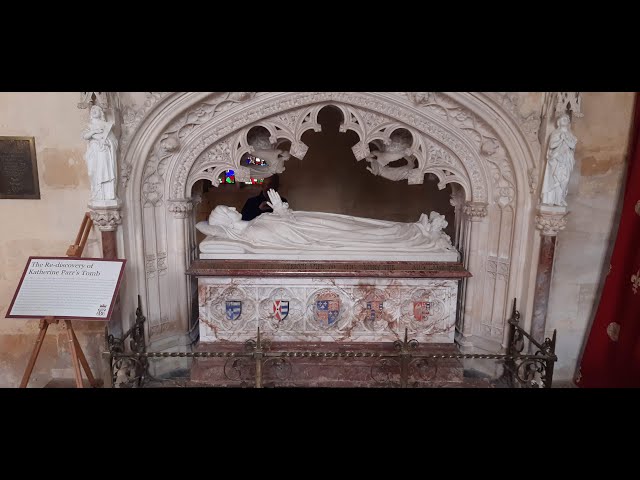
(549, 220)
(474, 212)
(107, 219)
(181, 211)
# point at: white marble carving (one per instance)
(356, 109)
(482, 146)
(560, 161)
(275, 159)
(327, 309)
(101, 158)
(285, 234)
(106, 219)
(551, 219)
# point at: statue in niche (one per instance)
(560, 161)
(101, 157)
(315, 235)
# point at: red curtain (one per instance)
(611, 356)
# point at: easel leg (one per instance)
(44, 325)
(74, 354)
(82, 358)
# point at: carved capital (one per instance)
(106, 219)
(550, 220)
(476, 211)
(180, 208)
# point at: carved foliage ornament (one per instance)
(370, 126)
(106, 220)
(551, 223)
(170, 141)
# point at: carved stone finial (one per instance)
(550, 220)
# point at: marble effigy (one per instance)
(293, 235)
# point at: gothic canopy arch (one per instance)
(453, 135)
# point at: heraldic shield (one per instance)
(421, 310)
(327, 308)
(280, 309)
(233, 309)
(374, 309)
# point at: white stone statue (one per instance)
(560, 161)
(275, 162)
(393, 173)
(288, 234)
(383, 159)
(101, 157)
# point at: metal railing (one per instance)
(404, 361)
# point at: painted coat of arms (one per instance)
(421, 310)
(374, 310)
(233, 309)
(327, 308)
(280, 309)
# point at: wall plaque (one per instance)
(18, 168)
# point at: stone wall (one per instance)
(44, 227)
(583, 249)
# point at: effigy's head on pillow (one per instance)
(223, 215)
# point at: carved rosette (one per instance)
(551, 221)
(476, 211)
(106, 219)
(180, 208)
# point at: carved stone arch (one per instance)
(461, 147)
(489, 150)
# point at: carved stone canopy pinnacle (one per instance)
(550, 220)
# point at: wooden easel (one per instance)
(77, 356)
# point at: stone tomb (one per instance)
(325, 306)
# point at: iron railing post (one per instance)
(551, 360)
(258, 354)
(107, 362)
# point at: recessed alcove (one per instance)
(331, 180)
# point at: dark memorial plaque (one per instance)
(18, 168)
